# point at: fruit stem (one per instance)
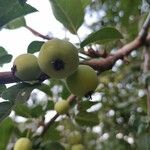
(28, 133)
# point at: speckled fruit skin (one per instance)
(62, 107)
(74, 138)
(83, 81)
(23, 144)
(77, 147)
(61, 50)
(26, 67)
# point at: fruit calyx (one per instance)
(58, 64)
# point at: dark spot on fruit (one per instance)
(58, 64)
(89, 95)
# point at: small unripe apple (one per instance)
(78, 147)
(23, 144)
(74, 137)
(58, 58)
(62, 107)
(26, 67)
(82, 82)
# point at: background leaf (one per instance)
(85, 3)
(102, 36)
(19, 92)
(87, 119)
(53, 146)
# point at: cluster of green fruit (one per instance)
(57, 59)
(75, 139)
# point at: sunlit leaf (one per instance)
(69, 12)
(16, 23)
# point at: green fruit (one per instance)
(23, 144)
(74, 137)
(58, 58)
(62, 107)
(83, 82)
(77, 147)
(26, 67)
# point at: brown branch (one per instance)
(70, 99)
(95, 54)
(97, 64)
(8, 77)
(38, 34)
(107, 63)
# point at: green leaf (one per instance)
(5, 109)
(19, 92)
(22, 2)
(22, 110)
(45, 88)
(26, 111)
(2, 51)
(50, 105)
(87, 119)
(16, 23)
(84, 105)
(128, 9)
(35, 46)
(11, 9)
(52, 133)
(53, 146)
(85, 3)
(6, 128)
(104, 35)
(69, 12)
(2, 88)
(143, 142)
(4, 57)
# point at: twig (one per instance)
(49, 124)
(70, 99)
(146, 68)
(38, 34)
(144, 31)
